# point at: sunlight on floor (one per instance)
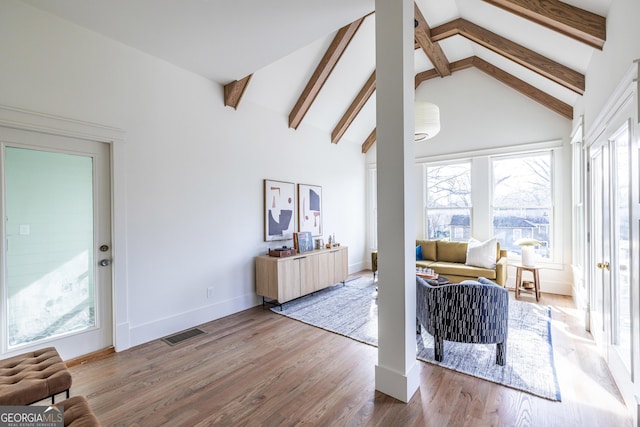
(578, 382)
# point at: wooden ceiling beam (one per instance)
(369, 141)
(579, 24)
(431, 49)
(524, 88)
(354, 109)
(521, 55)
(454, 66)
(323, 71)
(233, 91)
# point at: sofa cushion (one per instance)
(481, 254)
(428, 249)
(419, 256)
(424, 263)
(451, 251)
(457, 269)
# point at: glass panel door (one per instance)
(621, 290)
(56, 278)
(612, 262)
(600, 239)
(49, 223)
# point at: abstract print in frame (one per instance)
(310, 209)
(279, 205)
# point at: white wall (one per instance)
(481, 116)
(193, 169)
(607, 67)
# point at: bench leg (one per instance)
(53, 397)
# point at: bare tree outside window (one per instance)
(448, 207)
(522, 201)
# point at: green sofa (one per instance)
(448, 259)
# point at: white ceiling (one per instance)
(282, 41)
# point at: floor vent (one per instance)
(182, 336)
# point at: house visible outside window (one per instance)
(523, 201)
(517, 234)
(448, 206)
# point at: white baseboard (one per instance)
(356, 267)
(154, 330)
(122, 338)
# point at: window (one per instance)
(522, 201)
(448, 207)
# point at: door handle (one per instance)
(603, 265)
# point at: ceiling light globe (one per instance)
(427, 120)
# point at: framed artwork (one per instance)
(310, 209)
(279, 206)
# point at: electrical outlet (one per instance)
(209, 292)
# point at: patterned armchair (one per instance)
(469, 312)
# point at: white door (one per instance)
(56, 256)
(612, 314)
(600, 256)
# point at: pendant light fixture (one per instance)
(427, 120)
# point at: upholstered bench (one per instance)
(30, 377)
(78, 413)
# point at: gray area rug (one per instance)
(352, 310)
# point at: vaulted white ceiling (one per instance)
(281, 43)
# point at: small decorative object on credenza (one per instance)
(282, 252)
(302, 241)
(332, 242)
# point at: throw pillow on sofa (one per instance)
(481, 254)
(419, 256)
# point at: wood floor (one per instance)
(257, 368)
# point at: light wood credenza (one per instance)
(286, 278)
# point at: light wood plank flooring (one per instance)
(257, 368)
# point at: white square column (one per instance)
(397, 372)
